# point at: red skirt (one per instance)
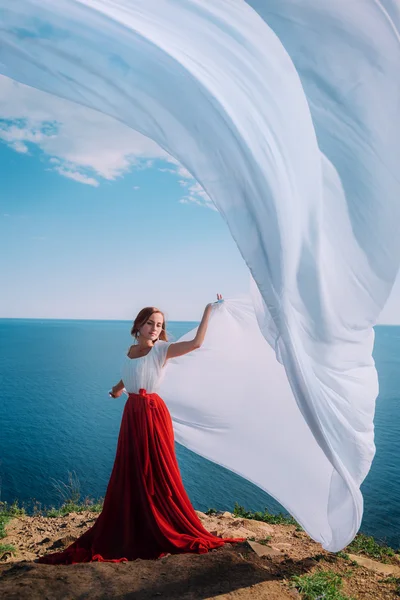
(147, 512)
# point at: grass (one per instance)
(6, 548)
(78, 507)
(265, 541)
(265, 517)
(8, 512)
(395, 580)
(70, 497)
(69, 492)
(323, 584)
(363, 544)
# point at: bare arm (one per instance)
(181, 348)
(116, 390)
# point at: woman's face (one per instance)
(152, 328)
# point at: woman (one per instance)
(146, 512)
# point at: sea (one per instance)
(59, 427)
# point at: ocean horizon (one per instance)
(56, 419)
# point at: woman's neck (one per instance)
(144, 344)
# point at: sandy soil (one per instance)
(250, 570)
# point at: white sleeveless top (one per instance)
(146, 371)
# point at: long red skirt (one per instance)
(146, 512)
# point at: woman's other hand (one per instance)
(117, 390)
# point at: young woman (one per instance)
(146, 512)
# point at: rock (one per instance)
(227, 515)
(282, 546)
(374, 565)
(63, 542)
(36, 539)
(298, 534)
(227, 534)
(6, 556)
(262, 550)
(235, 523)
(260, 528)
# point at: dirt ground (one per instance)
(250, 570)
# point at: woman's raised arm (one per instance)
(181, 348)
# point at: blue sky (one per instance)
(97, 221)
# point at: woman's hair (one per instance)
(141, 319)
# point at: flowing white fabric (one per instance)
(287, 113)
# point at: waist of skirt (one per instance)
(145, 399)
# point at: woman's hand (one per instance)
(117, 390)
(219, 299)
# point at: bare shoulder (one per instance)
(132, 351)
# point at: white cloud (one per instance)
(178, 169)
(167, 170)
(80, 140)
(195, 193)
(80, 143)
(77, 176)
(136, 187)
(20, 147)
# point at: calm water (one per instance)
(56, 418)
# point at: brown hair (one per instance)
(141, 319)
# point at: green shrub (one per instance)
(363, 544)
(266, 516)
(323, 584)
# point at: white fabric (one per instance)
(145, 372)
(295, 137)
(231, 402)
